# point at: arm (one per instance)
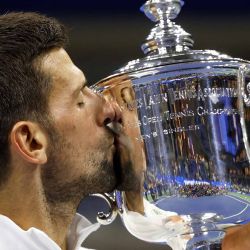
(237, 238)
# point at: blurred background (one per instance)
(104, 35)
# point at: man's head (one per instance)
(49, 119)
(24, 90)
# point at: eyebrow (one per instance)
(84, 84)
(80, 87)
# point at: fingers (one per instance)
(176, 218)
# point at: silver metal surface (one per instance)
(166, 36)
(107, 218)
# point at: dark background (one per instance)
(106, 34)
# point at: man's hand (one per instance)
(130, 167)
(129, 161)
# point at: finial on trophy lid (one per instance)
(166, 36)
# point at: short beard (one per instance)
(58, 189)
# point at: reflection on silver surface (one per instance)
(182, 110)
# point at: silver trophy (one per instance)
(188, 114)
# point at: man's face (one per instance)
(81, 148)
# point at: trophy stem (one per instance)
(166, 37)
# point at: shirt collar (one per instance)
(79, 230)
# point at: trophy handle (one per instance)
(108, 218)
(244, 102)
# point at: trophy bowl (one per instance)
(187, 113)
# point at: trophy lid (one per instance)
(169, 43)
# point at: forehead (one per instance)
(62, 71)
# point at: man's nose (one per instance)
(111, 112)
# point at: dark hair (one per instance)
(24, 88)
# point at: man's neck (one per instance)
(27, 206)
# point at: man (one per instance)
(54, 143)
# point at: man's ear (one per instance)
(29, 141)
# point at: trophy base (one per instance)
(210, 240)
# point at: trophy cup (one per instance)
(188, 114)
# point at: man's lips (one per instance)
(115, 128)
(121, 139)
